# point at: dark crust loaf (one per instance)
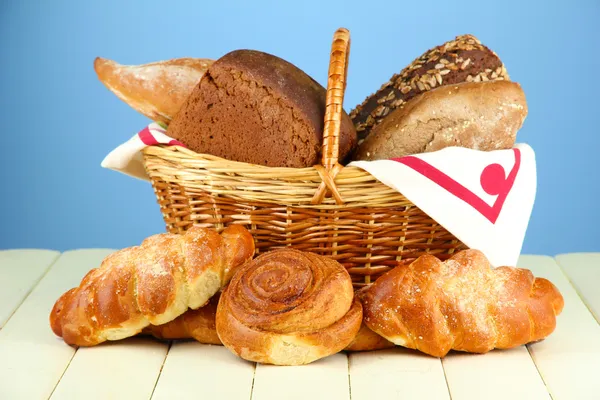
(463, 59)
(256, 108)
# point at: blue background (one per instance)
(59, 121)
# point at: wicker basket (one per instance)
(340, 212)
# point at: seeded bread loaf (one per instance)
(478, 115)
(463, 59)
(257, 108)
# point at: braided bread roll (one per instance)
(193, 324)
(149, 284)
(288, 307)
(366, 339)
(461, 304)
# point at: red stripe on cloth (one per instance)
(492, 181)
(146, 137)
(176, 143)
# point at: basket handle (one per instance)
(334, 100)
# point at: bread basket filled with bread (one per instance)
(256, 142)
(296, 231)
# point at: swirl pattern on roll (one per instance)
(288, 307)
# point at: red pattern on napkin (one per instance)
(493, 181)
(149, 140)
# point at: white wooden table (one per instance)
(34, 364)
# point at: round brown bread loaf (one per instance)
(463, 59)
(254, 107)
(482, 116)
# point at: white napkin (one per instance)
(127, 158)
(483, 198)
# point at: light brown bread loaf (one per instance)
(482, 116)
(157, 89)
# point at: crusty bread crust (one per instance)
(463, 59)
(156, 90)
(461, 304)
(196, 324)
(153, 283)
(367, 340)
(482, 116)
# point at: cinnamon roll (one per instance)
(288, 307)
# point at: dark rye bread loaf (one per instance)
(256, 108)
(463, 59)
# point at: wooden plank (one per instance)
(323, 379)
(509, 374)
(396, 374)
(568, 360)
(126, 369)
(20, 271)
(583, 270)
(33, 359)
(206, 371)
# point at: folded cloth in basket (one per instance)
(127, 158)
(483, 198)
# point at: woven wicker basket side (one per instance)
(372, 232)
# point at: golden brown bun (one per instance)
(158, 89)
(193, 324)
(152, 283)
(288, 307)
(482, 116)
(461, 304)
(367, 340)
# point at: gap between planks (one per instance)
(253, 378)
(27, 336)
(396, 373)
(568, 360)
(63, 374)
(190, 365)
(326, 378)
(349, 379)
(583, 272)
(161, 368)
(20, 272)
